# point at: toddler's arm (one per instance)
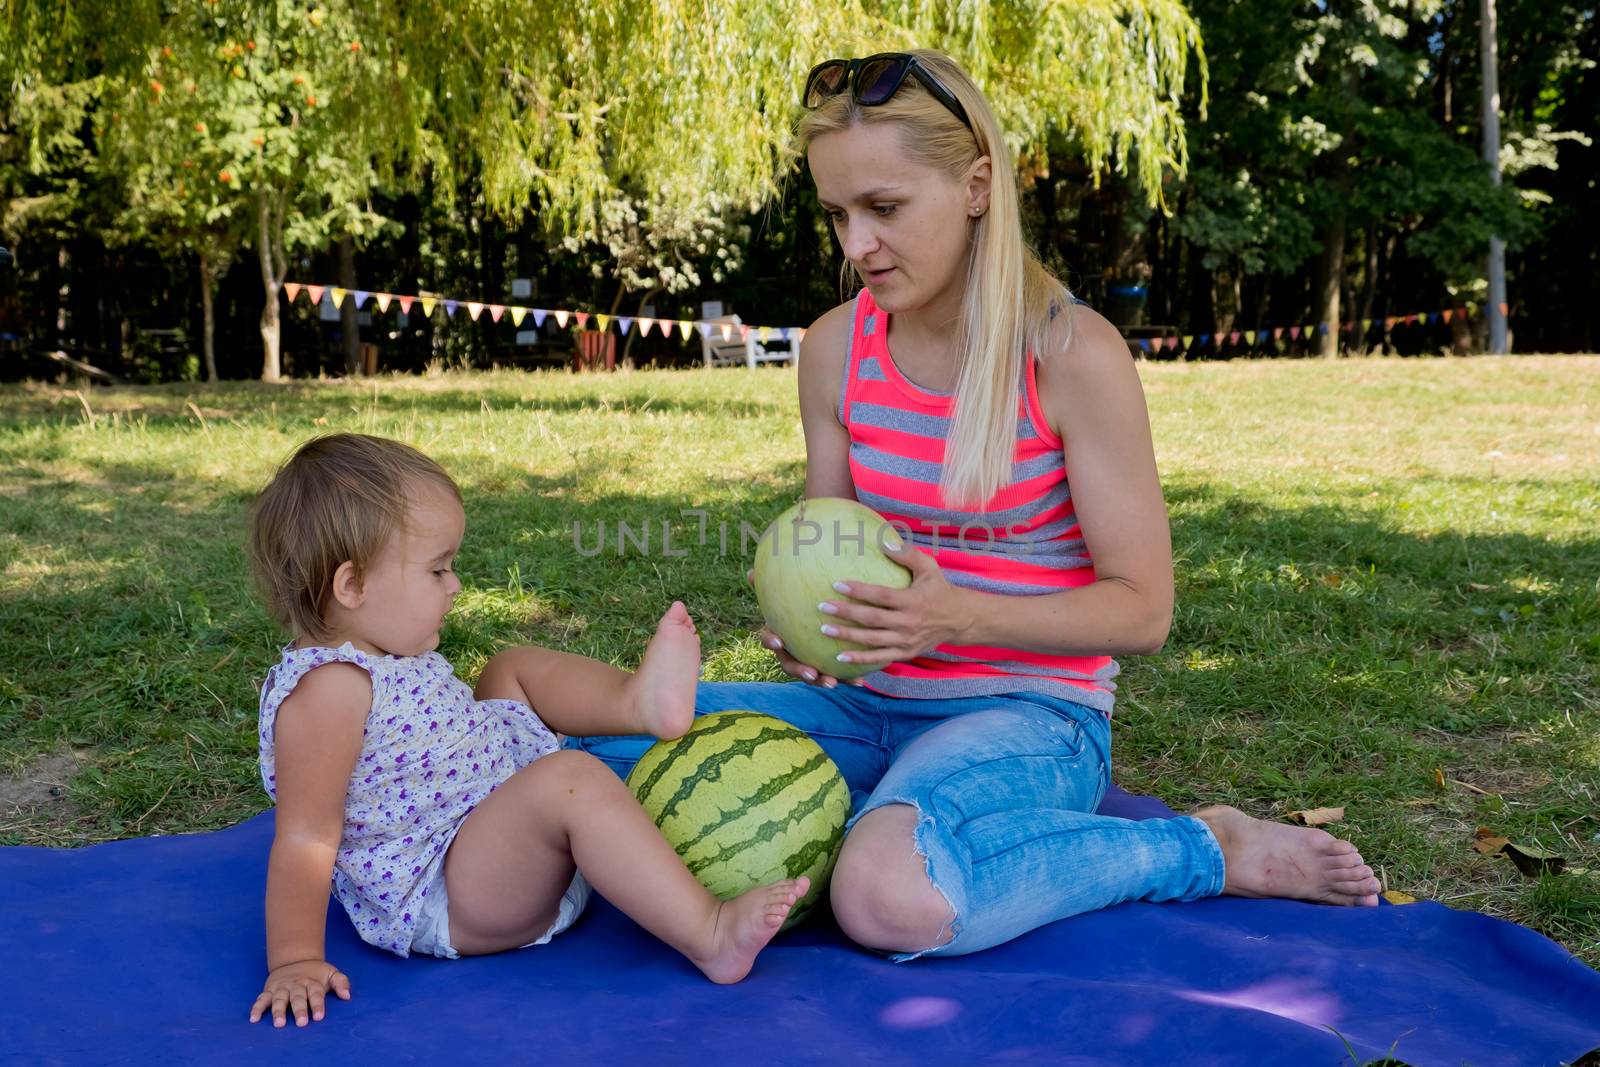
(318, 738)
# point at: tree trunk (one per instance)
(349, 323)
(208, 331)
(1369, 286)
(1330, 263)
(269, 251)
(626, 362)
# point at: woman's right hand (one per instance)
(299, 986)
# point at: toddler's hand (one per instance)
(299, 986)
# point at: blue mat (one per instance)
(150, 951)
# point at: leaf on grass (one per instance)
(1535, 861)
(1529, 860)
(1394, 896)
(1488, 842)
(1438, 779)
(1479, 587)
(1315, 816)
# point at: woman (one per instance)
(953, 395)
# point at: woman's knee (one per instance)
(880, 891)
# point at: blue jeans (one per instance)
(1006, 787)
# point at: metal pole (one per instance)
(1491, 156)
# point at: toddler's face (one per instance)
(410, 587)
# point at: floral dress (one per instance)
(429, 754)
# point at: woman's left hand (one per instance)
(897, 624)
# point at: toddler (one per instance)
(448, 820)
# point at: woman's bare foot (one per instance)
(744, 925)
(663, 687)
(1267, 859)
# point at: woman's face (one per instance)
(903, 225)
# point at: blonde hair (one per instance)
(1009, 299)
(337, 499)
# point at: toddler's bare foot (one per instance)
(744, 926)
(663, 686)
(1267, 859)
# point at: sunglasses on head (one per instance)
(874, 80)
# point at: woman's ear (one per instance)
(348, 589)
(978, 187)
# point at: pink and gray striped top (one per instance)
(1027, 543)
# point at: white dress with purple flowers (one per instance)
(430, 753)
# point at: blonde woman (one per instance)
(965, 397)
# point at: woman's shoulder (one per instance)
(1084, 362)
(825, 348)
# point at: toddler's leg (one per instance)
(580, 696)
(514, 856)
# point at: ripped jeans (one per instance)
(1006, 786)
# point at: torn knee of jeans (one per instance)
(951, 928)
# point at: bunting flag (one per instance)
(1445, 314)
(383, 301)
(539, 317)
(315, 293)
(405, 304)
(1250, 336)
(1505, 309)
(361, 296)
(561, 318)
(1205, 339)
(517, 315)
(495, 311)
(1277, 333)
(1188, 341)
(582, 317)
(644, 326)
(337, 295)
(1172, 342)
(764, 333)
(799, 333)
(604, 322)
(685, 327)
(1144, 344)
(1233, 338)
(783, 332)
(665, 325)
(474, 309)
(705, 330)
(291, 290)
(624, 323)
(744, 332)
(726, 331)
(427, 306)
(1294, 333)
(450, 309)
(1366, 326)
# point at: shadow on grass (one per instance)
(1316, 651)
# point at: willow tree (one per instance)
(682, 106)
(679, 104)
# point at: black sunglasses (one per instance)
(874, 80)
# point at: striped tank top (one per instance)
(1027, 543)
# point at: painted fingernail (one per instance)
(830, 629)
(809, 676)
(827, 609)
(842, 587)
(844, 657)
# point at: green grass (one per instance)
(1388, 571)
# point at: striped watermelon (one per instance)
(746, 799)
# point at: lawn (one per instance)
(1388, 587)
